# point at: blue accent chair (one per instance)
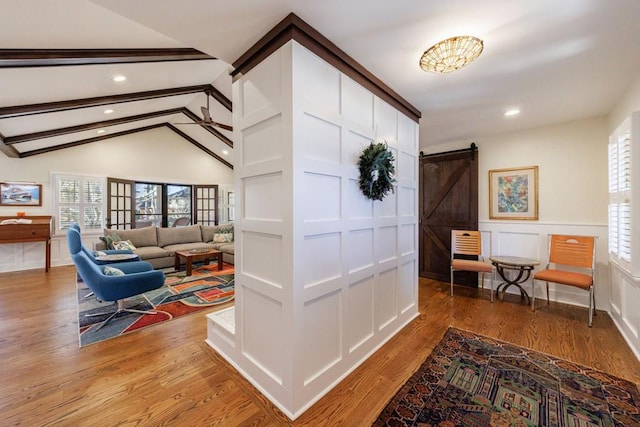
(92, 255)
(138, 277)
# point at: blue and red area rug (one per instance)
(180, 295)
(473, 380)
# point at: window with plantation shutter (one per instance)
(78, 199)
(623, 226)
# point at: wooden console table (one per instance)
(38, 231)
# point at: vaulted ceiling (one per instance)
(555, 61)
(73, 99)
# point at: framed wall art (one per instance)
(513, 193)
(20, 194)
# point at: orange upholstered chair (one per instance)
(468, 243)
(571, 263)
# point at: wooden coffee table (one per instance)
(197, 255)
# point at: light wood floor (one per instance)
(167, 375)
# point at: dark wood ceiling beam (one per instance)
(88, 140)
(72, 104)
(223, 100)
(215, 132)
(13, 58)
(200, 146)
(7, 149)
(88, 126)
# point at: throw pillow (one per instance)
(226, 229)
(112, 271)
(123, 244)
(222, 237)
(108, 240)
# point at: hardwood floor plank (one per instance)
(167, 375)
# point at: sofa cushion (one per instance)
(123, 244)
(151, 252)
(139, 236)
(227, 248)
(222, 237)
(209, 230)
(110, 239)
(224, 247)
(174, 235)
(171, 249)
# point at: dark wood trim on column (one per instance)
(200, 146)
(14, 58)
(294, 28)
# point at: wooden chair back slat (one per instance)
(576, 251)
(466, 242)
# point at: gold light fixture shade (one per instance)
(451, 54)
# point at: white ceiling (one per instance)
(555, 60)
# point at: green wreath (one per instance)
(376, 171)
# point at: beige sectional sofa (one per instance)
(157, 245)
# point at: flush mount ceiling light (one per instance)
(119, 78)
(108, 111)
(511, 113)
(451, 54)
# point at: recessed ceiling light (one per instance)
(225, 152)
(101, 131)
(119, 78)
(108, 111)
(511, 113)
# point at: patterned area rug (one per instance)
(473, 380)
(180, 295)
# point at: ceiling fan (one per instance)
(207, 120)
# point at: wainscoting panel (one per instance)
(267, 316)
(322, 343)
(321, 258)
(386, 298)
(364, 257)
(261, 257)
(625, 294)
(328, 206)
(359, 313)
(324, 273)
(263, 196)
(387, 243)
(323, 141)
(263, 142)
(529, 239)
(357, 207)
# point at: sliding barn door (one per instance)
(448, 200)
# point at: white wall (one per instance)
(625, 289)
(573, 197)
(572, 168)
(157, 155)
(323, 274)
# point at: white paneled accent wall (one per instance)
(324, 276)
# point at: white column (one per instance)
(324, 276)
